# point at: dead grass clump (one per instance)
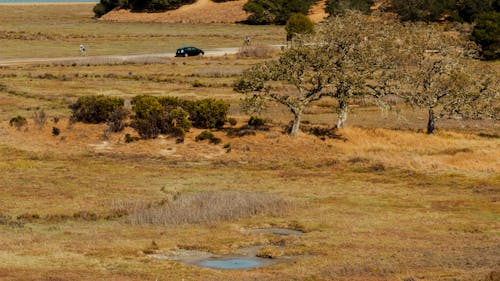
(211, 206)
(453, 151)
(269, 253)
(256, 51)
(40, 118)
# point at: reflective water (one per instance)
(238, 263)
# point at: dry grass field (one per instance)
(382, 202)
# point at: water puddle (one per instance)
(243, 259)
(236, 263)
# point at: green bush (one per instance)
(144, 106)
(116, 121)
(18, 121)
(147, 127)
(487, 34)
(209, 113)
(95, 109)
(298, 24)
(105, 6)
(205, 135)
(256, 121)
(275, 12)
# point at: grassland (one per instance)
(384, 202)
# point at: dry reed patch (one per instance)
(256, 51)
(211, 206)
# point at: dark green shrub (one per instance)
(18, 121)
(205, 135)
(298, 24)
(487, 34)
(275, 12)
(129, 138)
(256, 121)
(116, 121)
(56, 131)
(215, 140)
(95, 109)
(147, 127)
(336, 7)
(209, 113)
(232, 121)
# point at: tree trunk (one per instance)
(342, 114)
(432, 120)
(296, 124)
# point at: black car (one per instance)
(188, 51)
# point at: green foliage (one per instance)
(275, 11)
(116, 120)
(298, 24)
(256, 121)
(209, 113)
(335, 7)
(143, 106)
(205, 135)
(95, 109)
(431, 10)
(486, 33)
(18, 121)
(174, 116)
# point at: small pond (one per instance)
(236, 263)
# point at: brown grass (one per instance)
(256, 51)
(210, 207)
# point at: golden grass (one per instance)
(387, 202)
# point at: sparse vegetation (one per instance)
(18, 122)
(379, 200)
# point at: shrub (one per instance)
(56, 131)
(18, 122)
(232, 121)
(215, 140)
(129, 138)
(95, 109)
(205, 135)
(335, 7)
(144, 106)
(255, 121)
(277, 12)
(116, 121)
(147, 127)
(486, 33)
(298, 24)
(209, 113)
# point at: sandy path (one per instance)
(317, 12)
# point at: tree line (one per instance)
(354, 57)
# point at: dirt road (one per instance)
(112, 58)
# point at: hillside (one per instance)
(203, 11)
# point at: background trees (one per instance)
(298, 24)
(275, 11)
(342, 60)
(441, 78)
